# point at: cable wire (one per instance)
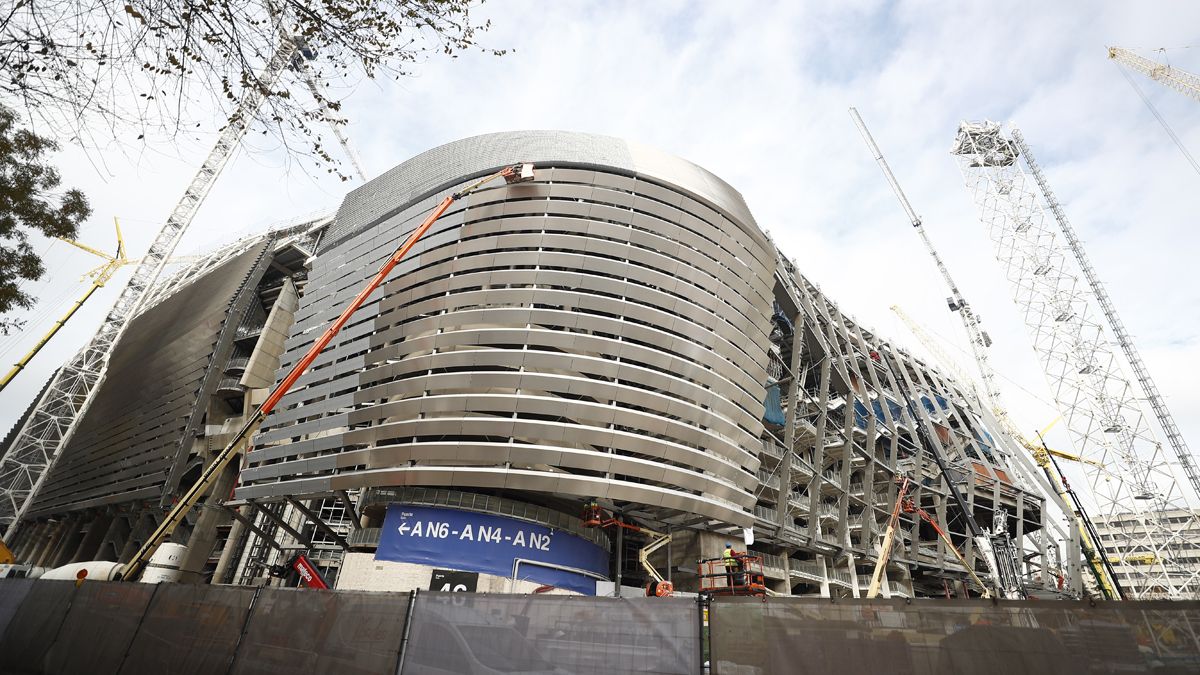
(1170, 132)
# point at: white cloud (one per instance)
(758, 94)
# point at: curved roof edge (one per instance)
(447, 165)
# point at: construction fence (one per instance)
(104, 627)
(971, 637)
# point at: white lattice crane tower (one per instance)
(49, 426)
(1099, 403)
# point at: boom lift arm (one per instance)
(1089, 543)
(889, 536)
(910, 507)
(594, 516)
(515, 173)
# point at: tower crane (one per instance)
(99, 276)
(50, 424)
(1138, 491)
(300, 60)
(1179, 80)
(978, 338)
(1109, 310)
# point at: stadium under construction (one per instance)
(617, 333)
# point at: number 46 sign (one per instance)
(450, 581)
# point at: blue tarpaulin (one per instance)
(773, 406)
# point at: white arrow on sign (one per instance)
(403, 528)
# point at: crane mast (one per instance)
(51, 423)
(1136, 491)
(1179, 80)
(1124, 340)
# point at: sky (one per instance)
(757, 92)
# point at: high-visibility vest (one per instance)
(727, 556)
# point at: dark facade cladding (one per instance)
(601, 331)
(145, 414)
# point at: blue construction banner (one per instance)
(481, 542)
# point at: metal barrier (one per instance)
(918, 637)
(108, 627)
(103, 627)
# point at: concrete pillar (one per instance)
(825, 576)
(853, 575)
(204, 533)
(786, 586)
(54, 535)
(1075, 555)
(232, 551)
(29, 538)
(70, 541)
(90, 543)
(144, 525)
(114, 539)
(885, 587)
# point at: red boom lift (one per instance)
(515, 173)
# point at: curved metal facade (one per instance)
(601, 331)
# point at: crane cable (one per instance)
(1170, 132)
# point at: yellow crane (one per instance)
(1044, 457)
(99, 276)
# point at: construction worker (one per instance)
(732, 563)
(591, 511)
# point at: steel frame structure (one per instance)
(51, 423)
(1179, 80)
(1165, 420)
(1098, 401)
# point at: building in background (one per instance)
(1129, 560)
(620, 329)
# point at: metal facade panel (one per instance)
(134, 432)
(437, 169)
(601, 331)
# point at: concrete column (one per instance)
(28, 539)
(787, 573)
(204, 532)
(231, 552)
(824, 576)
(70, 541)
(853, 576)
(114, 539)
(90, 543)
(54, 536)
(1075, 555)
(144, 524)
(789, 432)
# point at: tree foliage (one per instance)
(91, 72)
(28, 202)
(155, 68)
